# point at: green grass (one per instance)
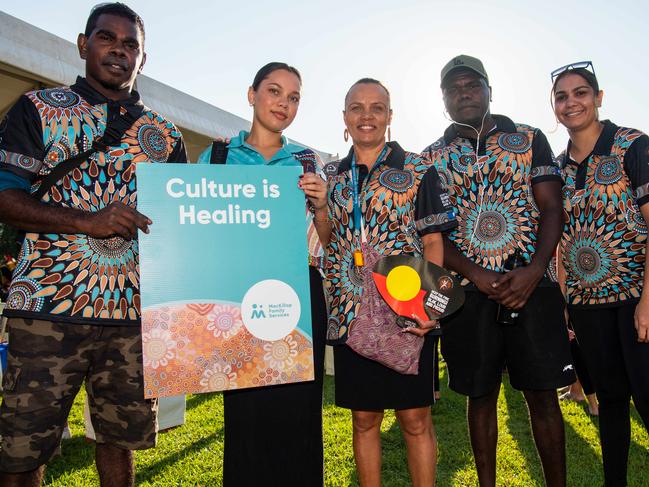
(192, 454)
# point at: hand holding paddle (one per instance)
(423, 328)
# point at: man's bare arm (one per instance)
(523, 281)
(458, 262)
(21, 210)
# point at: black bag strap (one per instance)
(219, 152)
(308, 160)
(117, 124)
(62, 169)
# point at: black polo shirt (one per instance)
(492, 193)
(402, 199)
(604, 239)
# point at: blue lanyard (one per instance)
(358, 221)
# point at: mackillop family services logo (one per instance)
(270, 310)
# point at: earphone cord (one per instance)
(479, 170)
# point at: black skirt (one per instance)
(365, 385)
(273, 435)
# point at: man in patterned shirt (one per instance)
(506, 190)
(74, 303)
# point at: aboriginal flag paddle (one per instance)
(414, 286)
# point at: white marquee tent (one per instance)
(32, 58)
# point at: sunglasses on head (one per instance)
(569, 67)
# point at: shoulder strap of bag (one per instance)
(307, 159)
(116, 126)
(219, 152)
(62, 169)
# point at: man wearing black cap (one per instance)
(506, 190)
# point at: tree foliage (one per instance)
(8, 241)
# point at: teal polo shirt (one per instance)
(240, 152)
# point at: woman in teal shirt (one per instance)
(273, 435)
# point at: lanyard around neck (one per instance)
(358, 218)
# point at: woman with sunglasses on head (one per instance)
(383, 201)
(273, 435)
(603, 250)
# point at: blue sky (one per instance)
(212, 50)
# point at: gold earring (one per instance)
(346, 135)
(389, 136)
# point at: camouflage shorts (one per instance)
(47, 364)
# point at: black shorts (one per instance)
(536, 350)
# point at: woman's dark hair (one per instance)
(367, 81)
(265, 72)
(116, 8)
(584, 73)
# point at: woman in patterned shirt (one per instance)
(603, 248)
(384, 201)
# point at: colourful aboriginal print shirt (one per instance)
(401, 199)
(240, 152)
(492, 194)
(78, 278)
(604, 239)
